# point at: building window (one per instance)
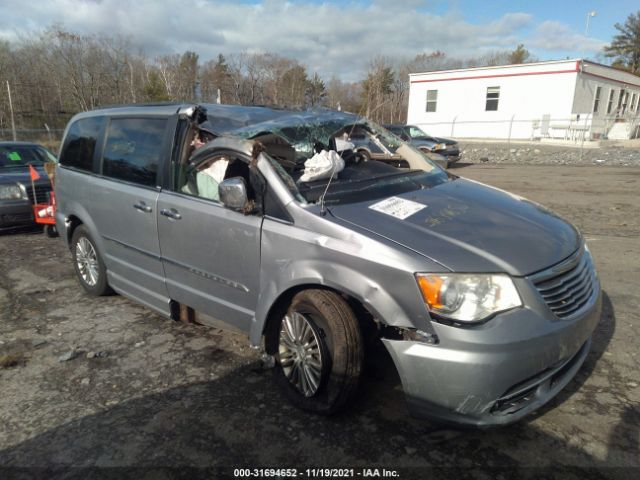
(610, 102)
(622, 102)
(493, 95)
(634, 106)
(432, 100)
(596, 102)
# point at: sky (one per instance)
(333, 37)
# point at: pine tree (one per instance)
(625, 47)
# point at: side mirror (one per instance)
(233, 193)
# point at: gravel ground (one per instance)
(106, 383)
(546, 154)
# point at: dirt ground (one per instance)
(147, 392)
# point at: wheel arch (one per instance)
(368, 317)
(73, 222)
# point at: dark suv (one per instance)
(378, 145)
(16, 190)
(414, 135)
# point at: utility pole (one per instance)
(13, 123)
(590, 14)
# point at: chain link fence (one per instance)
(575, 128)
(50, 138)
(578, 130)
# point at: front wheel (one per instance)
(51, 231)
(88, 263)
(319, 351)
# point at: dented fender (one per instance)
(316, 250)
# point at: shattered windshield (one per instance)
(390, 167)
(415, 132)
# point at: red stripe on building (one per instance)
(498, 76)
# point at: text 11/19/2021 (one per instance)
(315, 473)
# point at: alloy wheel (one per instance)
(300, 353)
(87, 261)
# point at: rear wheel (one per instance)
(88, 264)
(319, 351)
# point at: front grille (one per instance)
(567, 292)
(11, 219)
(42, 193)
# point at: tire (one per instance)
(51, 231)
(88, 263)
(366, 156)
(325, 375)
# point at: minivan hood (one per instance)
(470, 227)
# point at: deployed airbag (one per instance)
(322, 165)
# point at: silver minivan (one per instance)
(222, 215)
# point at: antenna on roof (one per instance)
(323, 210)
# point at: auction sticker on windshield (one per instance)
(397, 207)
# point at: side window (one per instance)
(596, 102)
(493, 97)
(432, 100)
(133, 149)
(80, 143)
(202, 177)
(610, 101)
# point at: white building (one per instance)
(568, 99)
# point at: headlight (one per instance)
(440, 146)
(468, 297)
(12, 192)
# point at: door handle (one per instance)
(143, 207)
(171, 213)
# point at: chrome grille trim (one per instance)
(568, 287)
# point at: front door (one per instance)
(210, 254)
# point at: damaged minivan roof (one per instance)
(300, 128)
(242, 120)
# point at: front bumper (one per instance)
(497, 373)
(451, 154)
(452, 158)
(15, 214)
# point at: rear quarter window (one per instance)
(133, 149)
(80, 144)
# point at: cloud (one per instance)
(331, 38)
(555, 36)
